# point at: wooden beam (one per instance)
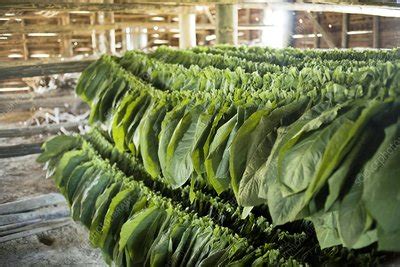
(345, 29)
(85, 28)
(383, 11)
(36, 130)
(57, 5)
(37, 68)
(227, 24)
(19, 150)
(376, 32)
(325, 34)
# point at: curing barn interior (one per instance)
(200, 133)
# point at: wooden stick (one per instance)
(31, 203)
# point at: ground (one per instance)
(22, 177)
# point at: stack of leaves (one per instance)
(304, 138)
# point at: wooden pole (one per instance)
(66, 40)
(376, 34)
(93, 34)
(316, 38)
(111, 33)
(227, 24)
(102, 34)
(345, 29)
(24, 44)
(187, 28)
(139, 38)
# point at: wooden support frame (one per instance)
(325, 34)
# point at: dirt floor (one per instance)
(23, 177)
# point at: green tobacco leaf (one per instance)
(90, 195)
(261, 147)
(102, 204)
(352, 216)
(382, 188)
(58, 145)
(326, 228)
(148, 139)
(139, 232)
(178, 159)
(243, 144)
(215, 156)
(168, 126)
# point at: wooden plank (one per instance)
(37, 228)
(37, 68)
(345, 29)
(31, 203)
(85, 28)
(5, 228)
(43, 213)
(36, 130)
(19, 150)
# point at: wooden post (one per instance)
(66, 40)
(376, 35)
(248, 19)
(24, 43)
(139, 38)
(111, 33)
(227, 24)
(102, 34)
(316, 38)
(345, 29)
(124, 40)
(93, 34)
(187, 28)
